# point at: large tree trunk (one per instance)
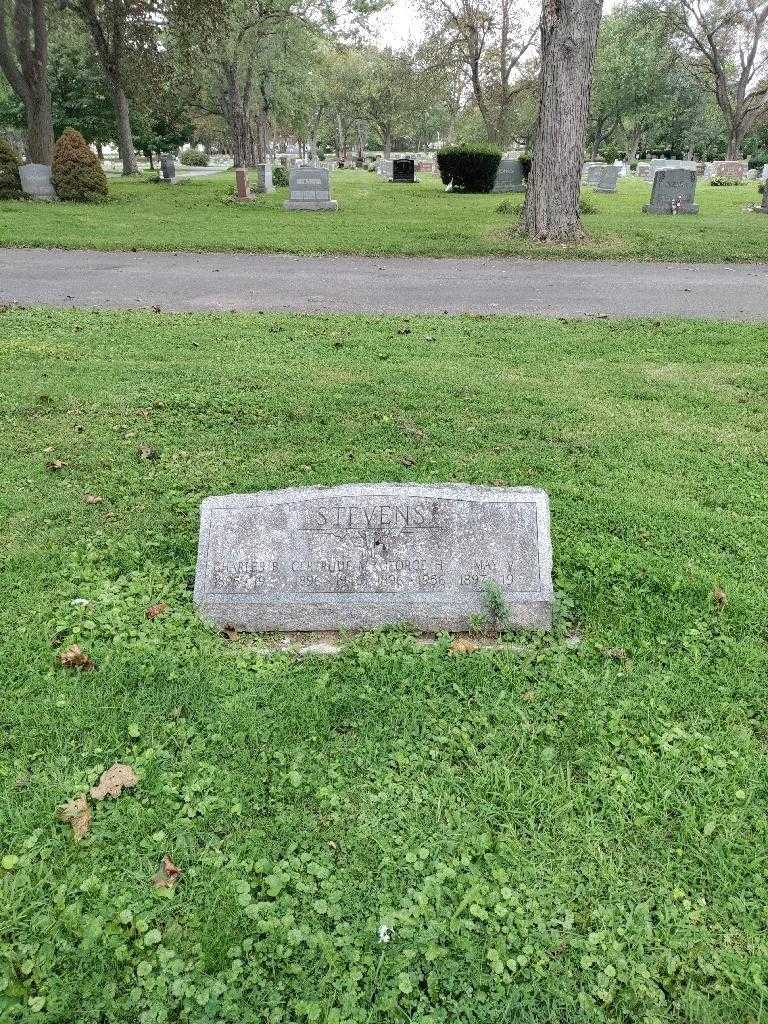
(568, 42)
(243, 150)
(735, 140)
(124, 133)
(39, 145)
(387, 145)
(24, 62)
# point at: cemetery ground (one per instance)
(380, 218)
(569, 828)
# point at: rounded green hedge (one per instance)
(10, 183)
(471, 168)
(195, 158)
(76, 172)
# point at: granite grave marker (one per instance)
(36, 181)
(509, 177)
(310, 190)
(674, 189)
(403, 172)
(363, 556)
(167, 169)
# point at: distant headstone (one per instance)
(264, 183)
(509, 177)
(385, 169)
(764, 175)
(763, 207)
(167, 169)
(590, 174)
(673, 191)
(36, 181)
(310, 189)
(242, 188)
(609, 177)
(643, 170)
(364, 556)
(403, 172)
(735, 169)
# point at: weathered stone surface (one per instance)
(310, 190)
(403, 172)
(673, 191)
(608, 179)
(242, 188)
(735, 169)
(36, 181)
(362, 556)
(763, 207)
(509, 177)
(167, 169)
(264, 183)
(591, 172)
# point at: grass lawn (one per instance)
(572, 830)
(379, 218)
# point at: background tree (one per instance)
(492, 38)
(724, 41)
(568, 42)
(24, 62)
(121, 33)
(81, 98)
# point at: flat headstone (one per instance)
(608, 179)
(364, 556)
(310, 189)
(509, 177)
(674, 189)
(403, 172)
(36, 181)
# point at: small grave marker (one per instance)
(509, 177)
(403, 172)
(36, 181)
(167, 169)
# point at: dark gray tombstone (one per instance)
(36, 181)
(609, 177)
(590, 174)
(310, 189)
(674, 189)
(763, 207)
(404, 172)
(167, 169)
(365, 556)
(509, 177)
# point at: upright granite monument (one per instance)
(167, 169)
(763, 207)
(362, 556)
(673, 191)
(264, 183)
(608, 179)
(310, 189)
(509, 177)
(36, 181)
(404, 172)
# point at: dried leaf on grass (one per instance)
(464, 646)
(93, 499)
(77, 814)
(720, 598)
(167, 875)
(146, 451)
(156, 610)
(75, 657)
(54, 465)
(113, 781)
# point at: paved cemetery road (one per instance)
(231, 281)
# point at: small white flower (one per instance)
(80, 602)
(386, 932)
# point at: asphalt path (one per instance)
(355, 284)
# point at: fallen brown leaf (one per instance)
(113, 781)
(230, 633)
(77, 814)
(144, 413)
(463, 646)
(93, 499)
(720, 598)
(167, 875)
(75, 657)
(156, 610)
(54, 465)
(146, 451)
(617, 653)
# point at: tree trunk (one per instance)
(735, 140)
(387, 144)
(124, 133)
(39, 145)
(568, 42)
(242, 139)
